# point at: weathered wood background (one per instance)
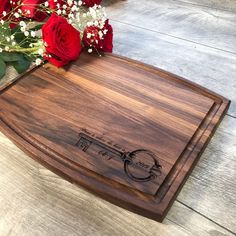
(195, 39)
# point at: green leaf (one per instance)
(15, 29)
(4, 31)
(22, 64)
(10, 56)
(2, 68)
(19, 36)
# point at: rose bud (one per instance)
(101, 39)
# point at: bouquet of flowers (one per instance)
(32, 31)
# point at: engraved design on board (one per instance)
(140, 165)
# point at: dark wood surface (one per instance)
(119, 106)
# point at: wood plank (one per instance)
(211, 189)
(227, 5)
(11, 75)
(201, 25)
(34, 201)
(208, 67)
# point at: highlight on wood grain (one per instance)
(128, 132)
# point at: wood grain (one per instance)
(197, 24)
(166, 119)
(34, 201)
(226, 5)
(208, 67)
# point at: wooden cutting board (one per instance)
(129, 132)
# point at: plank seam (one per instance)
(201, 5)
(223, 227)
(231, 116)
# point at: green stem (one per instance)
(25, 50)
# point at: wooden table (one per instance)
(191, 38)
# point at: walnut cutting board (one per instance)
(126, 131)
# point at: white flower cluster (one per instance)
(78, 15)
(95, 16)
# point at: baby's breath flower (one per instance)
(70, 2)
(89, 35)
(26, 33)
(92, 12)
(89, 23)
(38, 61)
(16, 14)
(1, 50)
(22, 29)
(70, 16)
(40, 51)
(74, 8)
(100, 34)
(32, 33)
(22, 23)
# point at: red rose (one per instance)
(62, 41)
(91, 3)
(100, 39)
(30, 9)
